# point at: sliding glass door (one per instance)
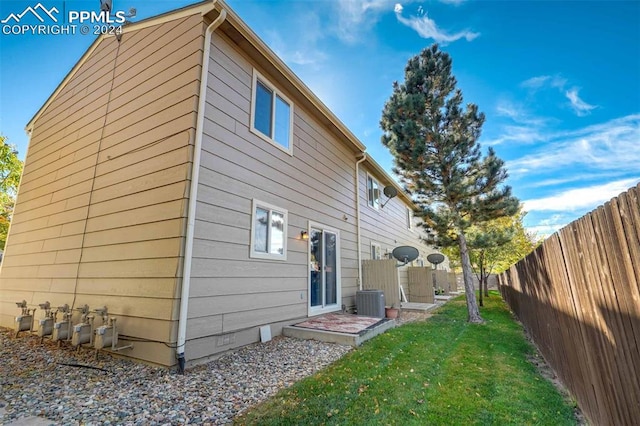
(324, 270)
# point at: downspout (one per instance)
(358, 234)
(193, 192)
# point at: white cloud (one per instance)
(548, 226)
(541, 81)
(301, 57)
(524, 129)
(523, 135)
(575, 177)
(356, 16)
(518, 113)
(580, 198)
(302, 50)
(580, 107)
(605, 147)
(427, 28)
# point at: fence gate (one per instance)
(420, 285)
(382, 275)
(452, 281)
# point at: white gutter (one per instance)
(359, 237)
(193, 191)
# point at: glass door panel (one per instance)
(330, 272)
(324, 274)
(316, 267)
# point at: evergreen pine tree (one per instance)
(438, 158)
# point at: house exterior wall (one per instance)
(101, 212)
(387, 226)
(231, 294)
(100, 215)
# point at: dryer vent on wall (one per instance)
(370, 303)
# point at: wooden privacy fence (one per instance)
(578, 295)
(452, 282)
(420, 285)
(385, 275)
(382, 275)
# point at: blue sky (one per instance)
(558, 81)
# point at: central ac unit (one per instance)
(370, 303)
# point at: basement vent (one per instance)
(226, 339)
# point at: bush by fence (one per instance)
(578, 295)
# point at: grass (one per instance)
(443, 371)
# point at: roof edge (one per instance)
(401, 191)
(237, 22)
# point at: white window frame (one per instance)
(409, 218)
(372, 203)
(270, 207)
(277, 93)
(376, 251)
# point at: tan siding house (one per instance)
(389, 222)
(184, 177)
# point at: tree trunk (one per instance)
(480, 279)
(486, 285)
(467, 274)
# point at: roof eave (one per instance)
(250, 36)
(381, 172)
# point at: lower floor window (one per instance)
(268, 231)
(376, 251)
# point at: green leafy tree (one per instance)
(522, 243)
(436, 155)
(486, 242)
(496, 245)
(10, 172)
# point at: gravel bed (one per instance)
(34, 381)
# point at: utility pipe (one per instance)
(358, 236)
(193, 191)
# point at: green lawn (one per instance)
(442, 371)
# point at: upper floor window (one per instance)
(268, 231)
(409, 217)
(271, 114)
(373, 192)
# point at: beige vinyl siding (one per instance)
(231, 293)
(107, 227)
(388, 226)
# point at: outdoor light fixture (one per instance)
(304, 235)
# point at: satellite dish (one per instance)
(435, 258)
(405, 254)
(390, 191)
